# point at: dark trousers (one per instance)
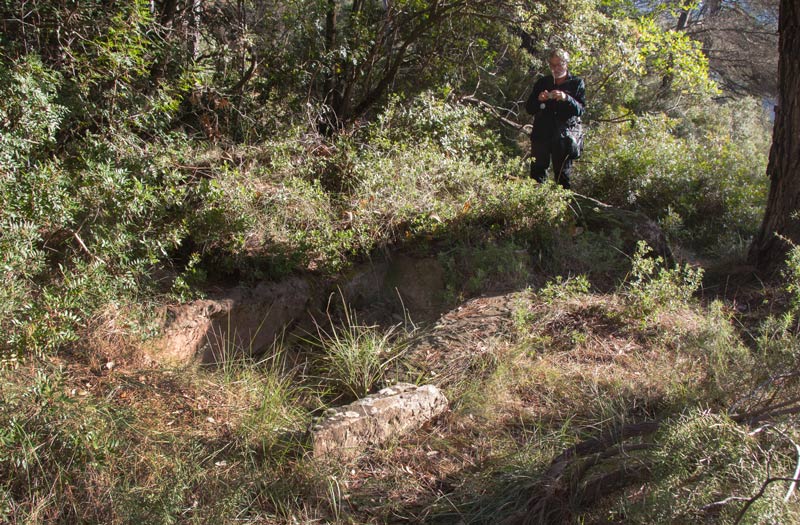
(543, 151)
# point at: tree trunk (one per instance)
(194, 28)
(683, 19)
(168, 10)
(781, 221)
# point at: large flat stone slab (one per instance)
(347, 431)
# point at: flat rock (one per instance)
(347, 431)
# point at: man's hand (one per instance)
(544, 96)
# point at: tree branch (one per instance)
(758, 496)
(492, 110)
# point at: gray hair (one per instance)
(560, 54)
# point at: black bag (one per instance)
(572, 138)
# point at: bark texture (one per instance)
(781, 221)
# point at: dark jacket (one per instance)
(556, 113)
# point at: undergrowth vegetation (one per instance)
(677, 369)
(152, 153)
(356, 359)
(700, 174)
(103, 449)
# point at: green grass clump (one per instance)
(156, 447)
(55, 450)
(354, 359)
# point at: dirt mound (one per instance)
(460, 338)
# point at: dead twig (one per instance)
(488, 108)
(792, 406)
(86, 249)
(749, 501)
(759, 494)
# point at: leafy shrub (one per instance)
(704, 171)
(777, 338)
(300, 215)
(425, 167)
(456, 129)
(791, 276)
(86, 226)
(525, 207)
(652, 287)
(33, 195)
(632, 64)
(562, 289)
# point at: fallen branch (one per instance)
(769, 412)
(722, 503)
(758, 496)
(564, 485)
(749, 501)
(488, 108)
(86, 249)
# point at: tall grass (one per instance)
(355, 359)
(157, 447)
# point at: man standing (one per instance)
(556, 102)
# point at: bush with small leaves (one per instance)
(705, 467)
(652, 287)
(702, 173)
